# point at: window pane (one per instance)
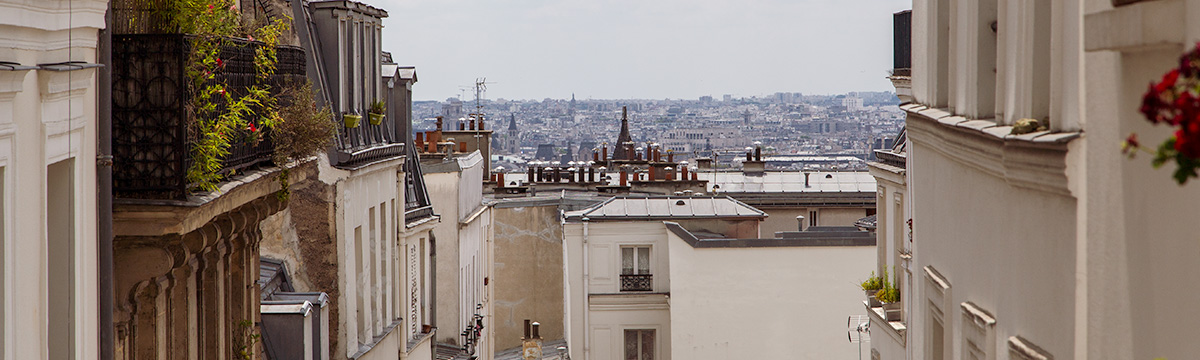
(647, 344)
(626, 260)
(643, 260)
(631, 345)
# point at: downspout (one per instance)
(104, 172)
(587, 313)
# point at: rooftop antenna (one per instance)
(480, 92)
(858, 329)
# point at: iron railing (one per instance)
(638, 282)
(153, 129)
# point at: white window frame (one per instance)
(636, 250)
(641, 350)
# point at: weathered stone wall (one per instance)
(529, 273)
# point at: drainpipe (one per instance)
(587, 314)
(104, 202)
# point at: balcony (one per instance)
(153, 130)
(367, 143)
(638, 282)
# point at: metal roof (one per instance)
(789, 182)
(668, 207)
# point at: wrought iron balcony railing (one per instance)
(153, 132)
(638, 282)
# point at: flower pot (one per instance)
(891, 311)
(871, 300)
(375, 119)
(351, 120)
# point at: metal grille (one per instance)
(641, 282)
(152, 128)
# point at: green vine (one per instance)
(223, 117)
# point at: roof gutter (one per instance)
(104, 193)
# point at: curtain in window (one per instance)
(626, 261)
(643, 261)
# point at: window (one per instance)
(635, 269)
(812, 218)
(60, 264)
(639, 344)
(635, 260)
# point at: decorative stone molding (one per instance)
(1035, 161)
(1021, 349)
(980, 317)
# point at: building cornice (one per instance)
(1035, 161)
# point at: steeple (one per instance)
(620, 152)
(512, 122)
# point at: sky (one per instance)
(644, 49)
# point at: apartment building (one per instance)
(1046, 243)
(659, 277)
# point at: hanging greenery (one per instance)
(222, 117)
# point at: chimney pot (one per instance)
(536, 335)
(800, 222)
(528, 329)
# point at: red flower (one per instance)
(220, 63)
(1132, 141)
(251, 37)
(210, 7)
(252, 128)
(1168, 81)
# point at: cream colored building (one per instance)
(821, 198)
(1049, 244)
(464, 255)
(48, 223)
(689, 278)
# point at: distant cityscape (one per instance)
(796, 131)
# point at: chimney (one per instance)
(591, 174)
(500, 179)
(800, 222)
(695, 177)
(472, 124)
(462, 147)
(480, 122)
(528, 329)
(670, 156)
(604, 152)
(462, 126)
(536, 334)
(683, 170)
(758, 153)
(650, 174)
(595, 156)
(530, 175)
(624, 178)
(670, 173)
(749, 156)
(439, 123)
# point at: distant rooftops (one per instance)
(667, 207)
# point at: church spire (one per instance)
(621, 153)
(512, 122)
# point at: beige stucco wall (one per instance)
(443, 193)
(47, 117)
(529, 273)
(784, 218)
(765, 303)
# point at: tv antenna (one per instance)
(858, 330)
(480, 92)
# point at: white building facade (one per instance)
(48, 225)
(1048, 244)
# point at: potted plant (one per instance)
(351, 120)
(871, 286)
(889, 295)
(376, 113)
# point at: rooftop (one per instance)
(789, 182)
(667, 207)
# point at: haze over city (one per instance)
(535, 49)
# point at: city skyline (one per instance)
(532, 49)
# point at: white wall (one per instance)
(45, 118)
(367, 225)
(765, 303)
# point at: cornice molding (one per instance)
(1035, 161)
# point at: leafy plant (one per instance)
(873, 282)
(306, 130)
(378, 107)
(245, 342)
(223, 117)
(889, 293)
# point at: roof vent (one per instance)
(679, 202)
(828, 176)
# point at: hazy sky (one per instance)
(653, 49)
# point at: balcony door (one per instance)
(635, 268)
